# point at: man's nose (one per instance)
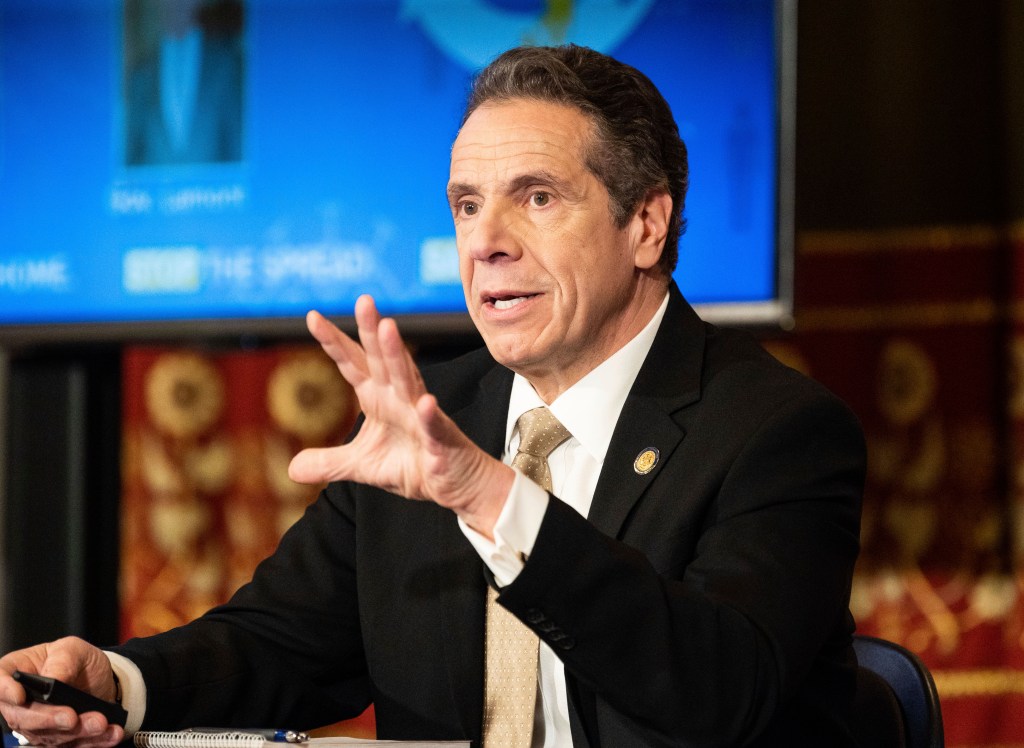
(494, 235)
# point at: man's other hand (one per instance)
(78, 664)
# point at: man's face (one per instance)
(550, 281)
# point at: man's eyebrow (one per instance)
(533, 178)
(517, 184)
(458, 189)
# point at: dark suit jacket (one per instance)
(704, 603)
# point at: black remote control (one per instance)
(58, 693)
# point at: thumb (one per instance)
(319, 465)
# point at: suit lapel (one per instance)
(668, 381)
(642, 427)
(463, 588)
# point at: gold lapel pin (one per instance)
(646, 460)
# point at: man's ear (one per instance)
(651, 221)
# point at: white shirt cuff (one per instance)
(133, 690)
(515, 532)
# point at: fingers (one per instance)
(58, 723)
(376, 358)
(382, 356)
(40, 719)
(50, 725)
(11, 692)
(33, 660)
(387, 358)
(344, 351)
(368, 322)
(389, 387)
(403, 373)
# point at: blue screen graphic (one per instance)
(282, 155)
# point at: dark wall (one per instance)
(63, 480)
(901, 113)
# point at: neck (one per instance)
(552, 382)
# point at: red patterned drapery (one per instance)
(207, 438)
(921, 332)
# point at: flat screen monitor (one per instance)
(188, 166)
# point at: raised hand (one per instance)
(75, 662)
(407, 444)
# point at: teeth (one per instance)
(508, 303)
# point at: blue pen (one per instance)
(272, 735)
(285, 736)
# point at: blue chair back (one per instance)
(912, 685)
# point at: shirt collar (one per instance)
(591, 407)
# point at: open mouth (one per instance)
(507, 302)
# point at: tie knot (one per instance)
(540, 432)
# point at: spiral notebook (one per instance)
(231, 738)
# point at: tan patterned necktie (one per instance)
(510, 673)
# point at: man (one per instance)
(687, 574)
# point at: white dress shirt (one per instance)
(589, 410)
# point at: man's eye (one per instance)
(468, 209)
(540, 199)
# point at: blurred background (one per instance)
(142, 475)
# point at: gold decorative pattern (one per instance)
(982, 311)
(277, 456)
(184, 395)
(925, 238)
(906, 381)
(307, 397)
(210, 467)
(1016, 376)
(176, 526)
(959, 684)
(913, 523)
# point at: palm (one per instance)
(388, 450)
(406, 444)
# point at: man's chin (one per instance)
(516, 351)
